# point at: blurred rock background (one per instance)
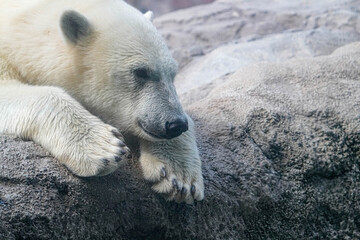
(160, 7)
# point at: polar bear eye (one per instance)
(142, 73)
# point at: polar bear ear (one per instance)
(74, 26)
(149, 15)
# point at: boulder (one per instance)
(198, 30)
(160, 7)
(278, 132)
(204, 73)
(282, 141)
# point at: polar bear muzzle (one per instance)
(171, 129)
(176, 127)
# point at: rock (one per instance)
(160, 7)
(278, 131)
(285, 138)
(198, 77)
(210, 26)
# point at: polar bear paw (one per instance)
(181, 181)
(98, 152)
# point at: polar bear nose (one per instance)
(176, 127)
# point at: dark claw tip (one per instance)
(175, 184)
(117, 159)
(122, 152)
(121, 144)
(183, 191)
(116, 133)
(163, 172)
(193, 189)
(106, 162)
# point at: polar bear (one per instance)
(78, 77)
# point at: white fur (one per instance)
(51, 90)
(184, 165)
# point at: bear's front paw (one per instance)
(175, 173)
(98, 152)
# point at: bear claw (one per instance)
(106, 162)
(193, 190)
(183, 191)
(175, 184)
(163, 173)
(123, 152)
(116, 133)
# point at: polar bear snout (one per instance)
(176, 127)
(168, 130)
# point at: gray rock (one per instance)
(284, 141)
(202, 74)
(213, 25)
(160, 7)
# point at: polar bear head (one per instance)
(125, 70)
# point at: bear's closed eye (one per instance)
(142, 73)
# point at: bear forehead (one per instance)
(127, 36)
(122, 27)
(107, 13)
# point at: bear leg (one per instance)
(174, 166)
(50, 117)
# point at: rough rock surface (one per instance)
(207, 71)
(160, 7)
(279, 139)
(198, 30)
